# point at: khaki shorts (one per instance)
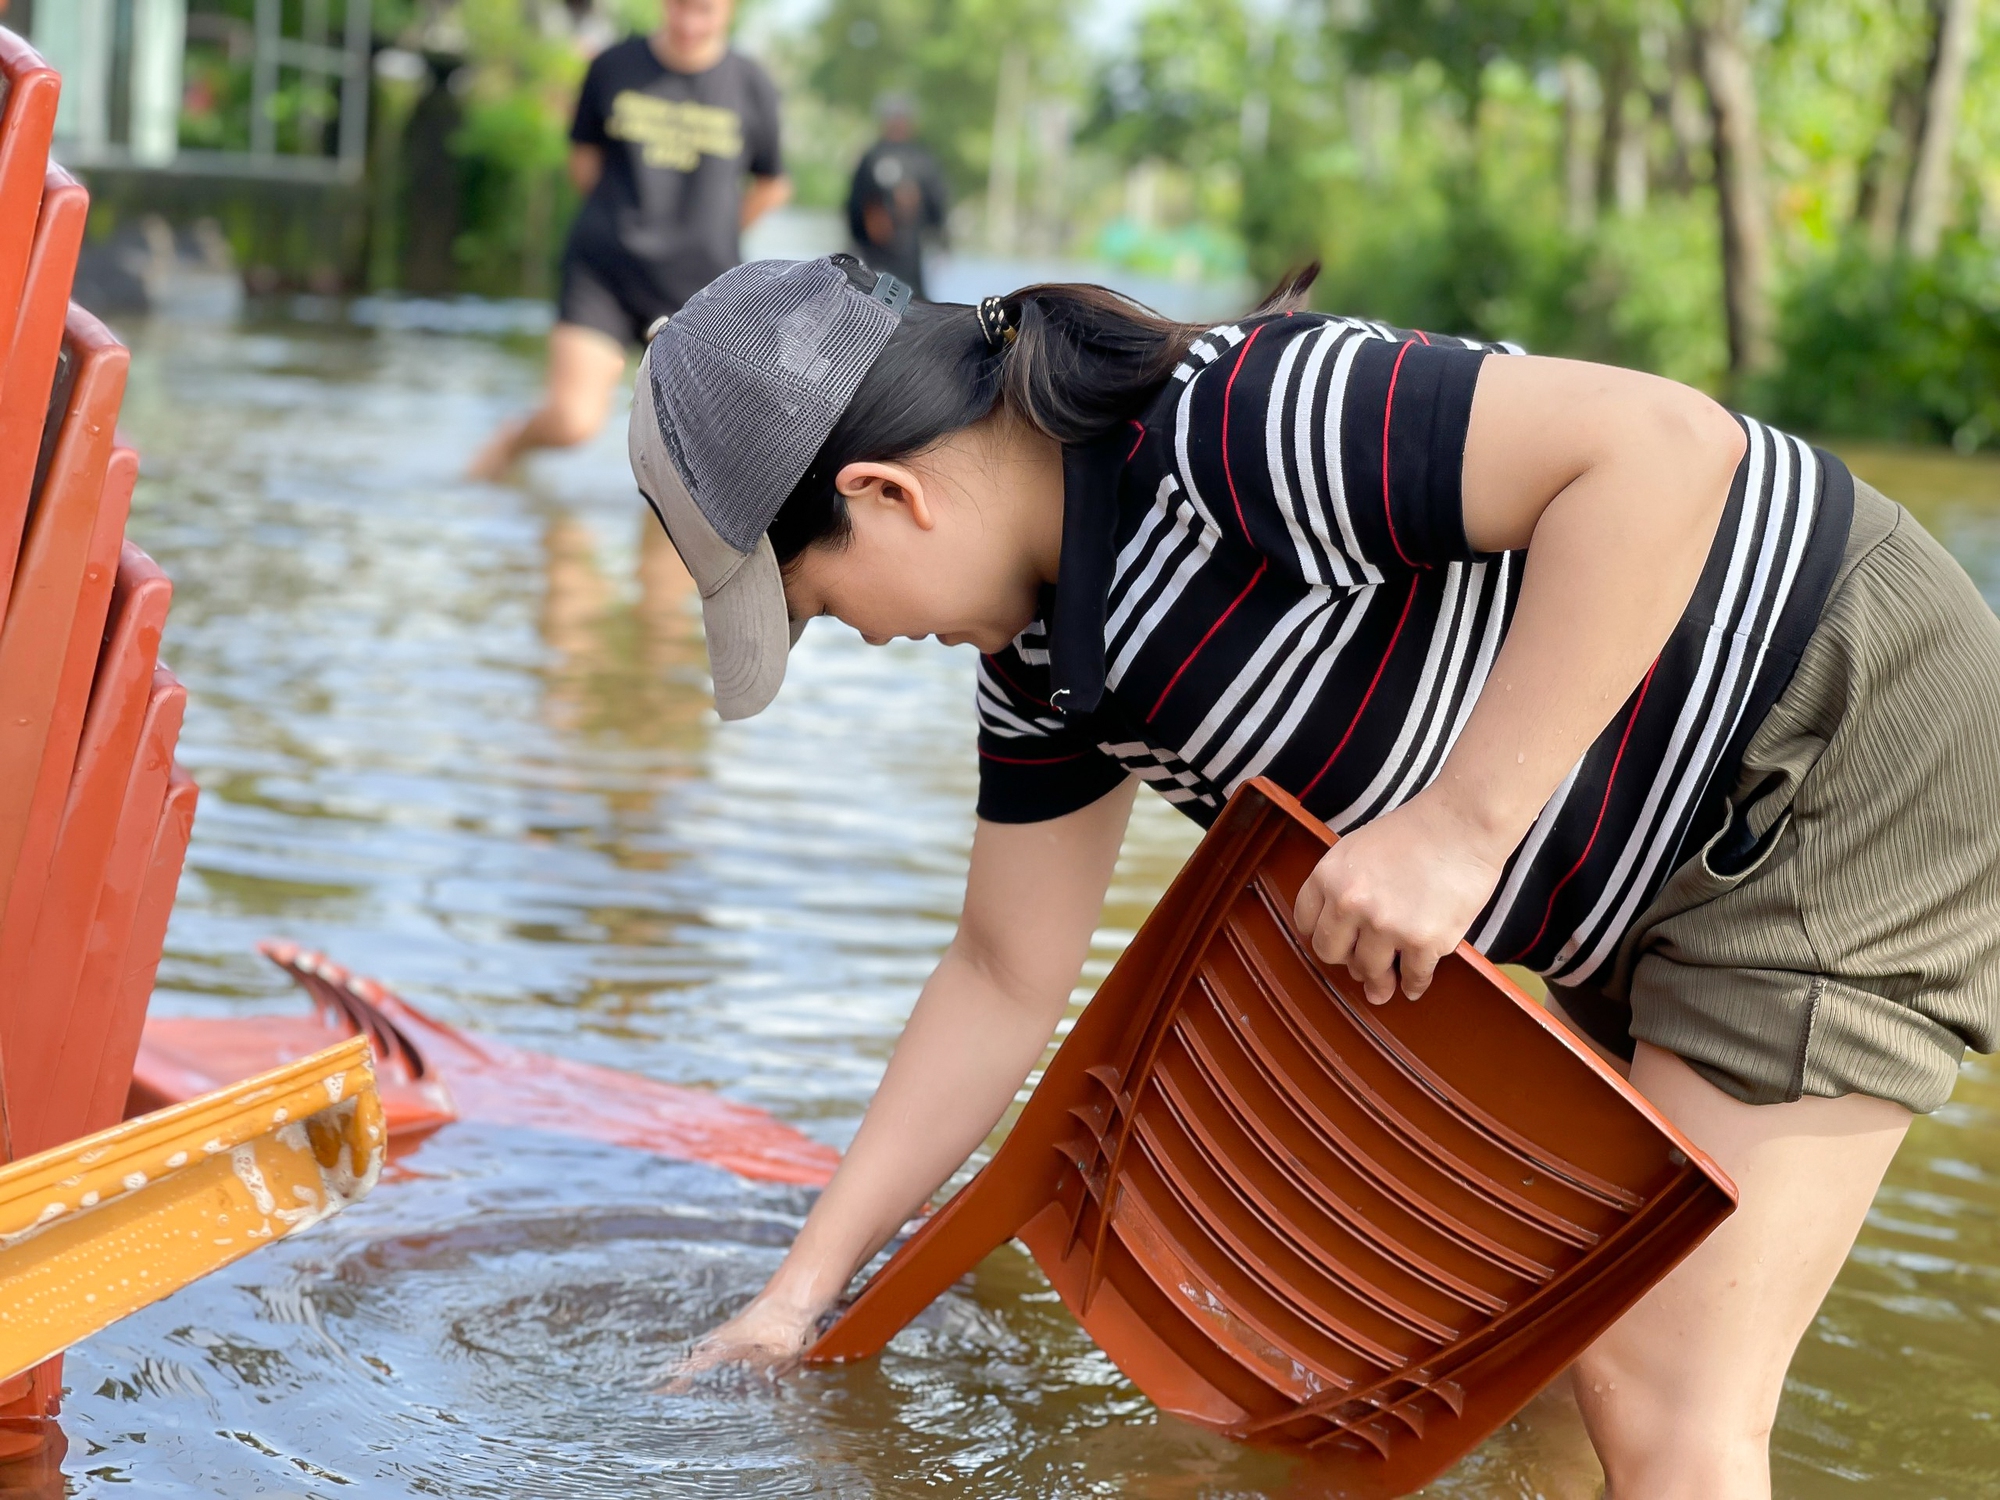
(1841, 934)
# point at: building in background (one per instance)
(280, 89)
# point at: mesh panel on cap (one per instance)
(750, 377)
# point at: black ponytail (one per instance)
(1073, 361)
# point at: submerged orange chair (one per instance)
(1370, 1231)
(431, 1074)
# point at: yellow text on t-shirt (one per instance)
(674, 133)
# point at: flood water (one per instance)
(458, 737)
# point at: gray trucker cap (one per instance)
(737, 393)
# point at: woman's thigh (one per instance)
(1680, 1395)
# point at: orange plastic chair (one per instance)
(44, 930)
(30, 368)
(27, 122)
(140, 962)
(431, 1074)
(48, 579)
(84, 958)
(87, 638)
(1305, 1220)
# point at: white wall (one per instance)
(77, 37)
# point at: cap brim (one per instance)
(749, 635)
(743, 614)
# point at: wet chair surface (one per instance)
(28, 89)
(1301, 1219)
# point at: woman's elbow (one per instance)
(1700, 437)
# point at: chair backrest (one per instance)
(29, 374)
(49, 578)
(1369, 1231)
(33, 1012)
(94, 817)
(140, 962)
(89, 971)
(27, 123)
(72, 698)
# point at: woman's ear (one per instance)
(894, 485)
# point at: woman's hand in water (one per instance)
(1396, 895)
(766, 1338)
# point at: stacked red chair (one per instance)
(94, 814)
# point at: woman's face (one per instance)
(954, 543)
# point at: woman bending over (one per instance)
(1646, 696)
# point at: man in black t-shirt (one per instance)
(667, 129)
(897, 198)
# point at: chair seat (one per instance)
(1371, 1232)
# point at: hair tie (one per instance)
(996, 323)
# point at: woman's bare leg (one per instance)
(585, 366)
(1680, 1396)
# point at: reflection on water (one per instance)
(458, 737)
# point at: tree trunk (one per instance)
(1679, 104)
(1723, 57)
(1003, 171)
(1615, 132)
(1930, 180)
(1583, 121)
(1885, 179)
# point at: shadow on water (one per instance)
(458, 737)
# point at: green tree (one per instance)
(948, 56)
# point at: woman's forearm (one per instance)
(1031, 901)
(966, 1050)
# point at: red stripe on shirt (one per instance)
(1210, 636)
(1610, 781)
(1381, 667)
(1137, 440)
(1388, 407)
(1016, 760)
(993, 665)
(1227, 391)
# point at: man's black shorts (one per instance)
(622, 302)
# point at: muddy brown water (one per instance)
(457, 736)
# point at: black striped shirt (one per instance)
(1269, 575)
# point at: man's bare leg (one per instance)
(1680, 1396)
(585, 367)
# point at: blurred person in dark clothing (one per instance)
(898, 197)
(675, 147)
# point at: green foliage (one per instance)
(1430, 153)
(511, 146)
(216, 79)
(1178, 94)
(947, 55)
(1463, 37)
(1896, 349)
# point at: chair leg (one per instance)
(984, 1213)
